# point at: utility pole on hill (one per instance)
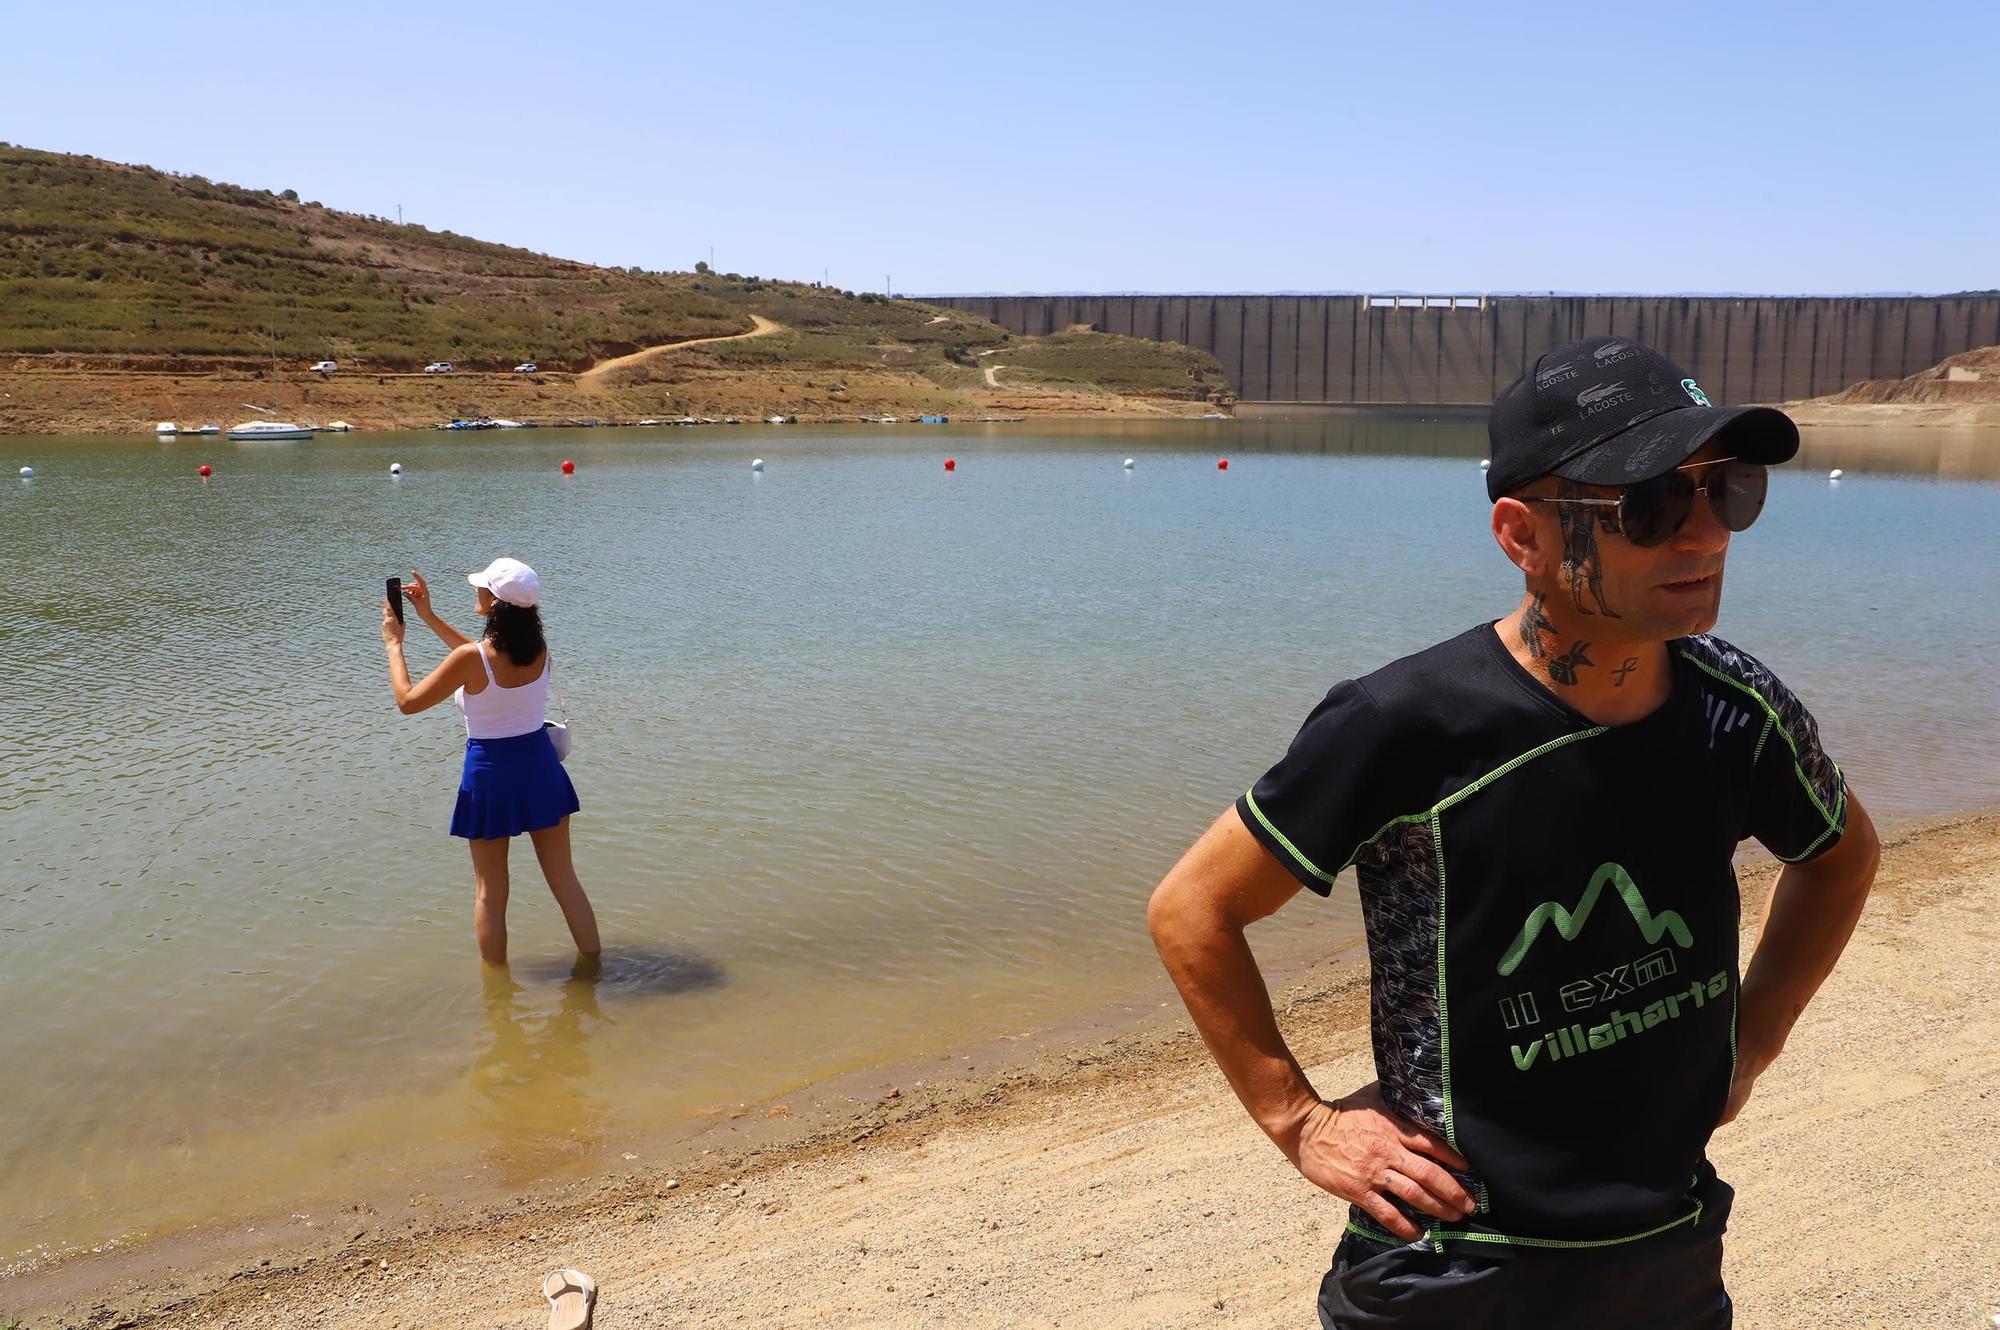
(399, 214)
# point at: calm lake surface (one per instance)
(874, 759)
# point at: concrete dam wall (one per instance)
(1462, 350)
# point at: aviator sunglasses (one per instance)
(1653, 510)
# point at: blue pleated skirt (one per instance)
(511, 786)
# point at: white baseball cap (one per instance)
(509, 580)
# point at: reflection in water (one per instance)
(1967, 454)
(531, 1079)
(1429, 432)
(531, 1076)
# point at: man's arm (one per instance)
(1355, 1147)
(1807, 921)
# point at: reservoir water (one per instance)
(874, 758)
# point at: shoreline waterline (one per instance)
(1097, 1093)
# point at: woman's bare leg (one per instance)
(489, 905)
(552, 849)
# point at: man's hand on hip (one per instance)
(1362, 1152)
(1749, 1066)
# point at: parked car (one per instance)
(529, 367)
(438, 367)
(325, 366)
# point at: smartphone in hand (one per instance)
(395, 593)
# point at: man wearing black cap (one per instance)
(1542, 812)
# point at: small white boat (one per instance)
(269, 429)
(508, 424)
(338, 427)
(891, 420)
(775, 420)
(205, 429)
(166, 428)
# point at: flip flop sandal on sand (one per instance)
(572, 1296)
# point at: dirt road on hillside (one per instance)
(594, 376)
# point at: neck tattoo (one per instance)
(1564, 667)
(1631, 663)
(1534, 623)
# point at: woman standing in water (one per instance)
(513, 781)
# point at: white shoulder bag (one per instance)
(560, 733)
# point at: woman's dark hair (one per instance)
(516, 632)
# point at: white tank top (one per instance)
(502, 713)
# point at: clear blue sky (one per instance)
(1086, 146)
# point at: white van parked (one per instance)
(438, 367)
(325, 366)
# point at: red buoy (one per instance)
(1222, 464)
(951, 464)
(205, 470)
(569, 467)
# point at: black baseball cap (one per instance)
(1608, 411)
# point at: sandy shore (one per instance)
(48, 399)
(1116, 1183)
(1822, 413)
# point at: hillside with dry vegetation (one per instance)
(101, 259)
(132, 294)
(1080, 358)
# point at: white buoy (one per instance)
(395, 468)
(1128, 464)
(1833, 474)
(1484, 463)
(757, 465)
(27, 473)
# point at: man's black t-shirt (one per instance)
(1552, 913)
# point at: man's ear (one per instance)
(1521, 537)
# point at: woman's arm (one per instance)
(418, 593)
(457, 670)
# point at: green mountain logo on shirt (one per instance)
(1570, 924)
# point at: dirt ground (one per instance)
(43, 397)
(1116, 1183)
(1959, 392)
(69, 395)
(605, 370)
(1936, 415)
